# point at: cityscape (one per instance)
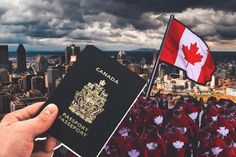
(41, 40)
(25, 80)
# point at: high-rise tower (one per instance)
(21, 58)
(4, 57)
(71, 54)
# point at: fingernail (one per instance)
(50, 109)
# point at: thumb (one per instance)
(42, 122)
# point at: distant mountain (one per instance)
(145, 49)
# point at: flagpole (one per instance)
(154, 71)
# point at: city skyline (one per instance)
(20, 88)
(51, 25)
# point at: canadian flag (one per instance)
(184, 49)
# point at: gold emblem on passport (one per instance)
(88, 103)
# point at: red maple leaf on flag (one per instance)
(191, 55)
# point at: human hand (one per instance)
(19, 129)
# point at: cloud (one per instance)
(136, 23)
(132, 11)
(209, 23)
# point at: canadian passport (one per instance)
(93, 98)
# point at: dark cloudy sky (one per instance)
(113, 24)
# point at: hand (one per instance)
(19, 129)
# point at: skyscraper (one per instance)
(122, 58)
(52, 74)
(26, 81)
(181, 74)
(4, 57)
(38, 83)
(41, 65)
(162, 70)
(4, 75)
(71, 54)
(21, 58)
(14, 78)
(154, 57)
(4, 103)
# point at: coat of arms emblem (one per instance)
(89, 102)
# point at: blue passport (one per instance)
(93, 98)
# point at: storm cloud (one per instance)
(130, 23)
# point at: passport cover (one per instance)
(93, 98)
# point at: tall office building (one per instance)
(10, 66)
(154, 57)
(21, 58)
(122, 58)
(14, 78)
(20, 84)
(38, 83)
(52, 74)
(4, 75)
(41, 65)
(61, 59)
(182, 74)
(4, 57)
(1, 88)
(162, 70)
(26, 81)
(4, 103)
(71, 54)
(214, 81)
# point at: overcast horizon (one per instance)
(113, 25)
